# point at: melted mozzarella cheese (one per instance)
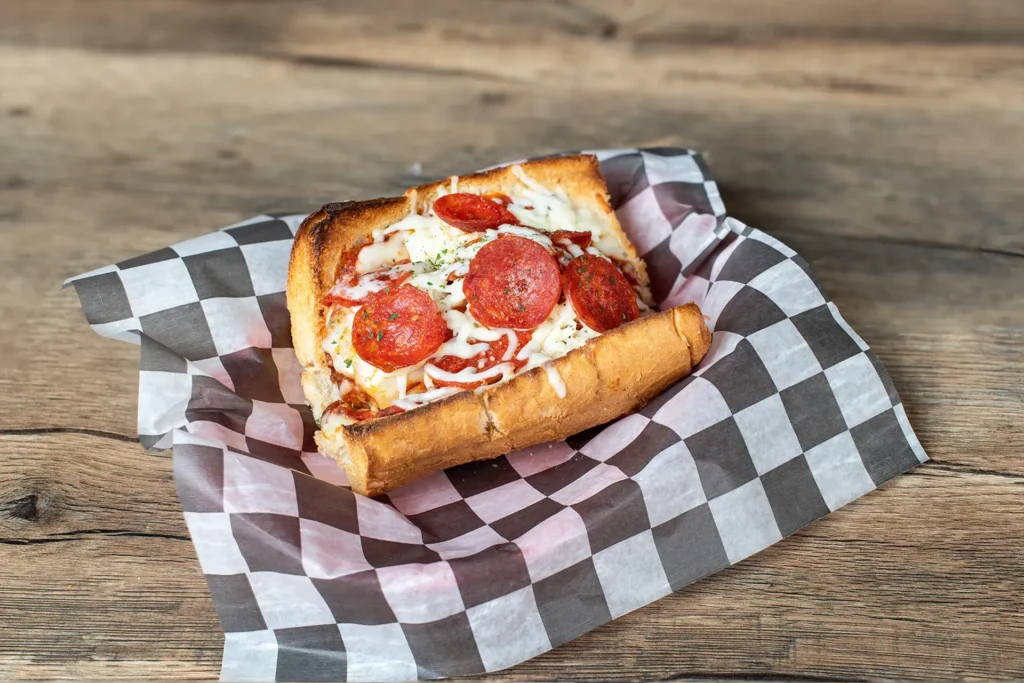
(556, 336)
(381, 255)
(338, 341)
(416, 400)
(538, 206)
(439, 252)
(372, 282)
(553, 210)
(557, 383)
(435, 242)
(513, 345)
(574, 249)
(410, 224)
(385, 387)
(470, 338)
(529, 233)
(331, 422)
(467, 375)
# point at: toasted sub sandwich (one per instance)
(476, 316)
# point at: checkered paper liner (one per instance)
(485, 565)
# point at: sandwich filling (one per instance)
(471, 291)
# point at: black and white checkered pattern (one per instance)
(485, 565)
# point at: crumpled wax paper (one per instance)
(789, 417)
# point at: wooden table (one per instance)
(880, 138)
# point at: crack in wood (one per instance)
(30, 431)
(720, 676)
(401, 68)
(82, 534)
(923, 243)
(962, 469)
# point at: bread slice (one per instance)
(606, 378)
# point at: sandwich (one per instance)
(476, 316)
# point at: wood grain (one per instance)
(822, 112)
(911, 580)
(879, 140)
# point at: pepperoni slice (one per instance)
(599, 293)
(398, 327)
(472, 213)
(512, 282)
(482, 361)
(580, 239)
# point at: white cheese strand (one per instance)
(410, 224)
(557, 383)
(573, 249)
(523, 231)
(460, 348)
(468, 375)
(518, 172)
(381, 255)
(338, 340)
(467, 331)
(416, 400)
(369, 283)
(553, 210)
(513, 344)
(556, 336)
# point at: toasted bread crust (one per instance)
(610, 376)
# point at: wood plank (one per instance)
(99, 577)
(950, 52)
(92, 485)
(738, 21)
(254, 25)
(912, 581)
(248, 135)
